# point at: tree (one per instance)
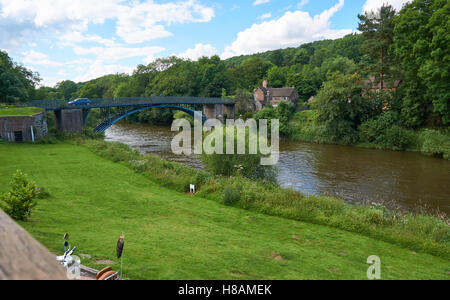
(276, 57)
(378, 31)
(349, 47)
(319, 57)
(66, 89)
(17, 83)
(180, 79)
(337, 64)
(254, 69)
(301, 56)
(212, 76)
(341, 108)
(421, 46)
(125, 89)
(21, 199)
(244, 101)
(89, 90)
(307, 82)
(277, 77)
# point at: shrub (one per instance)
(182, 115)
(435, 143)
(201, 178)
(248, 115)
(231, 195)
(245, 165)
(372, 131)
(383, 131)
(398, 138)
(21, 199)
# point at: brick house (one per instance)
(372, 85)
(265, 95)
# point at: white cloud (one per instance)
(199, 51)
(259, 2)
(136, 21)
(143, 21)
(374, 5)
(113, 54)
(98, 69)
(265, 16)
(40, 59)
(292, 29)
(77, 37)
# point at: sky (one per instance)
(81, 40)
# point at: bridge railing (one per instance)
(130, 101)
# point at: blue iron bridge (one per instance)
(129, 106)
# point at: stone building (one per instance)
(21, 129)
(265, 95)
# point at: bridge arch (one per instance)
(102, 127)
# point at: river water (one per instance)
(354, 174)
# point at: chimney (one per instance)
(265, 84)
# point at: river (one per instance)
(405, 179)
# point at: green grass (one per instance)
(20, 111)
(419, 232)
(170, 235)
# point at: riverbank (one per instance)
(172, 235)
(305, 128)
(353, 174)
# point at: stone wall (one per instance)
(69, 120)
(12, 127)
(40, 125)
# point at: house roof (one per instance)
(277, 92)
(281, 92)
(372, 84)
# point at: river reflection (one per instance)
(354, 174)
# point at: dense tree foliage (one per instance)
(422, 47)
(341, 107)
(17, 83)
(378, 30)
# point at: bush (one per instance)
(182, 115)
(245, 165)
(435, 143)
(398, 138)
(21, 199)
(201, 178)
(384, 132)
(248, 115)
(372, 131)
(231, 195)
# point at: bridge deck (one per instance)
(129, 102)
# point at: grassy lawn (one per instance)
(169, 235)
(20, 111)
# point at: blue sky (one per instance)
(84, 39)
